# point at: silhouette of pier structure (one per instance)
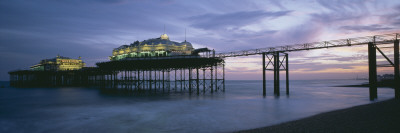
(187, 73)
(204, 73)
(276, 58)
(193, 74)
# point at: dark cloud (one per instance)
(341, 12)
(332, 18)
(111, 1)
(265, 38)
(393, 17)
(278, 3)
(302, 34)
(340, 6)
(31, 31)
(374, 27)
(236, 19)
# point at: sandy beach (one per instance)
(379, 117)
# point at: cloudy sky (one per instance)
(31, 30)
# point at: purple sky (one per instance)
(35, 30)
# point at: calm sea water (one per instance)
(241, 107)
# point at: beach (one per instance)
(382, 117)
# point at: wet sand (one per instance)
(379, 117)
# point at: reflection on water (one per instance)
(241, 107)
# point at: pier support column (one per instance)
(276, 73)
(216, 77)
(155, 81)
(150, 80)
(197, 81)
(190, 80)
(138, 80)
(163, 79)
(143, 81)
(175, 79)
(396, 70)
(263, 71)
(287, 73)
(181, 79)
(211, 79)
(169, 80)
(204, 80)
(372, 71)
(223, 77)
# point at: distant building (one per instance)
(155, 47)
(385, 77)
(59, 63)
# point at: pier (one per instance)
(200, 73)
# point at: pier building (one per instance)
(59, 63)
(154, 47)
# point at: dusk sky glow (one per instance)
(34, 30)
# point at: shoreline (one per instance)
(382, 116)
(382, 83)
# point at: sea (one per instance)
(241, 106)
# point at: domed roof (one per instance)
(164, 37)
(156, 41)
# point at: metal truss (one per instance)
(377, 39)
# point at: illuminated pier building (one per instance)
(151, 66)
(59, 63)
(155, 47)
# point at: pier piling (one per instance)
(263, 72)
(396, 69)
(372, 71)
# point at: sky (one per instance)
(32, 30)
